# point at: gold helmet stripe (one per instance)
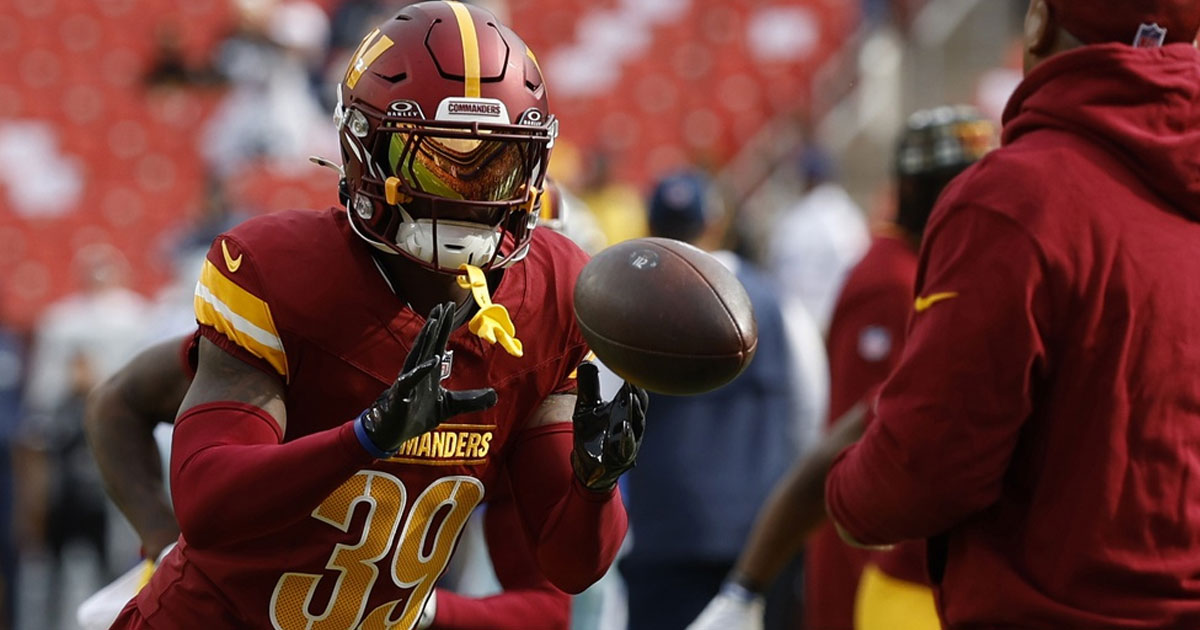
(470, 44)
(368, 51)
(533, 57)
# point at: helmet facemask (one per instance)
(444, 193)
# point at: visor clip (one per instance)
(391, 192)
(534, 199)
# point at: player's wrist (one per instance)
(363, 433)
(593, 478)
(742, 588)
(158, 542)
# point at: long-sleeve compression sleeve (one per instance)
(223, 452)
(575, 532)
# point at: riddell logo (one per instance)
(477, 109)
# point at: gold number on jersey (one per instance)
(412, 567)
(456, 497)
(356, 563)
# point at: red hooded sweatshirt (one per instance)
(1042, 429)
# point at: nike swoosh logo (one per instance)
(923, 303)
(230, 261)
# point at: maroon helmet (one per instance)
(445, 136)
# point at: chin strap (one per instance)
(492, 323)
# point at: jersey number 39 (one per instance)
(411, 566)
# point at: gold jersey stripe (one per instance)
(470, 45)
(368, 51)
(239, 315)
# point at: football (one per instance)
(666, 316)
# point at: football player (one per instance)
(307, 498)
(865, 340)
(121, 416)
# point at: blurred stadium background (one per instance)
(132, 131)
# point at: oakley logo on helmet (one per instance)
(405, 109)
(533, 117)
(473, 109)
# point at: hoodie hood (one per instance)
(1142, 104)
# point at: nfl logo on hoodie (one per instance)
(1150, 36)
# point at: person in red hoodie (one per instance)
(1041, 430)
(866, 338)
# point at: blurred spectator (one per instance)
(816, 242)
(865, 342)
(617, 206)
(11, 364)
(168, 67)
(876, 12)
(995, 86)
(272, 112)
(173, 312)
(79, 340)
(76, 504)
(103, 323)
(565, 213)
(712, 458)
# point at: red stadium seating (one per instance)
(695, 91)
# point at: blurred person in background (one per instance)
(814, 244)
(617, 206)
(272, 112)
(100, 324)
(11, 372)
(76, 508)
(567, 214)
(866, 340)
(79, 340)
(1041, 427)
(712, 458)
(173, 313)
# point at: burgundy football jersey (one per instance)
(297, 294)
(866, 337)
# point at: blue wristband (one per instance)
(361, 432)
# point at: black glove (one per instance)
(416, 402)
(607, 434)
